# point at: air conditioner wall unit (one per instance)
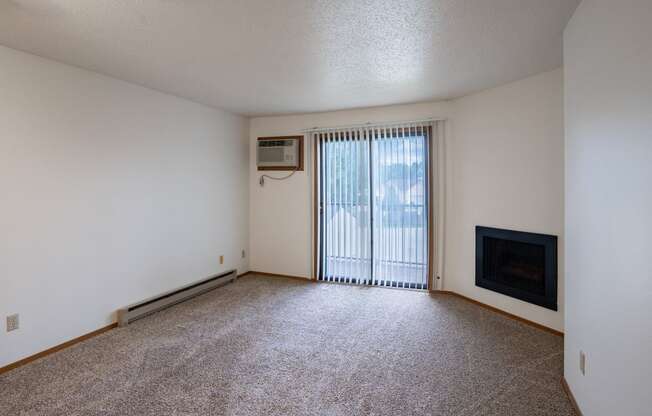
(280, 153)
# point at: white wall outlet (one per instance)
(582, 363)
(13, 322)
(221, 259)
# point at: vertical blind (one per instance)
(374, 204)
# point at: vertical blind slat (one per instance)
(327, 213)
(424, 247)
(390, 213)
(383, 238)
(334, 221)
(350, 216)
(397, 231)
(320, 205)
(379, 209)
(401, 211)
(391, 243)
(334, 232)
(352, 222)
(413, 235)
(360, 210)
(368, 243)
(375, 238)
(326, 232)
(340, 217)
(331, 191)
(343, 192)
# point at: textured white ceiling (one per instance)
(257, 57)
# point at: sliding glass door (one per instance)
(374, 214)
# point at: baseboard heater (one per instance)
(135, 311)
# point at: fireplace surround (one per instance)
(517, 264)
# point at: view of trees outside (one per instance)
(392, 171)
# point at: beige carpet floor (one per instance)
(275, 346)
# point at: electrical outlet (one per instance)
(244, 254)
(12, 322)
(582, 363)
(221, 259)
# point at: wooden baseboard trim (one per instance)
(287, 276)
(571, 397)
(243, 274)
(500, 311)
(57, 348)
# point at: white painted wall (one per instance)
(608, 76)
(505, 168)
(507, 172)
(110, 193)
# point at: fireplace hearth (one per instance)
(517, 264)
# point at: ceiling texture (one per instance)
(264, 57)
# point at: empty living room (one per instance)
(326, 207)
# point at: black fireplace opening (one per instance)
(518, 264)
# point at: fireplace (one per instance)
(518, 264)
